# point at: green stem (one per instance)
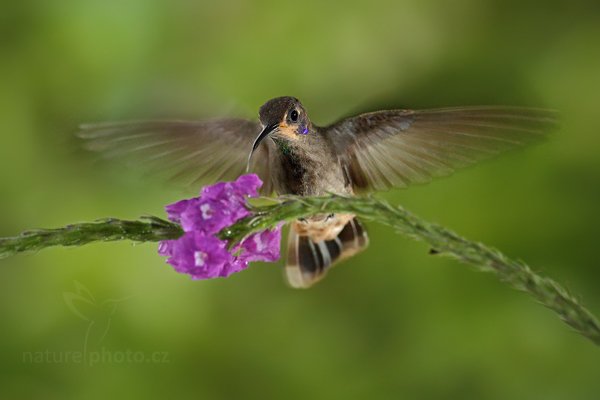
(445, 242)
(148, 229)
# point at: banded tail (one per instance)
(309, 259)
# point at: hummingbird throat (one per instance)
(283, 146)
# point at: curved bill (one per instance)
(265, 132)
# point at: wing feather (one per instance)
(190, 152)
(397, 148)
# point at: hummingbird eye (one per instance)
(294, 116)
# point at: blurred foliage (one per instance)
(392, 322)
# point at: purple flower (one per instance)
(199, 252)
(219, 205)
(262, 246)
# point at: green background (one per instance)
(393, 322)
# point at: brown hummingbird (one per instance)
(368, 152)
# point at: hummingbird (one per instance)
(364, 153)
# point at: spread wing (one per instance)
(191, 152)
(396, 148)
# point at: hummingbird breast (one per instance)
(306, 166)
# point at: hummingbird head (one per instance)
(283, 116)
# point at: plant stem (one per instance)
(445, 242)
(148, 229)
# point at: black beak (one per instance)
(265, 132)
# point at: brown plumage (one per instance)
(368, 152)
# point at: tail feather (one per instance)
(308, 261)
